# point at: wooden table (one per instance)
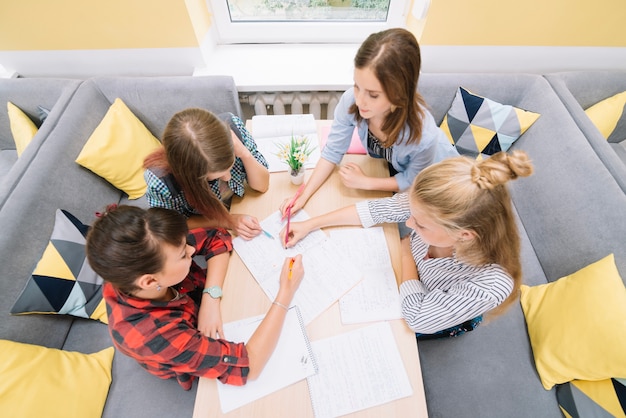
(243, 298)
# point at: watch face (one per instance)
(215, 292)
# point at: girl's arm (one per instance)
(263, 342)
(409, 267)
(257, 174)
(347, 215)
(353, 177)
(210, 315)
(321, 172)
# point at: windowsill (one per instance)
(284, 67)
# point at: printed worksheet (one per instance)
(357, 370)
(328, 274)
(291, 361)
(376, 298)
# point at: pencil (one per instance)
(291, 266)
(267, 234)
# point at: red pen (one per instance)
(295, 197)
(288, 213)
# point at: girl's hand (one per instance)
(246, 226)
(297, 205)
(290, 278)
(210, 317)
(352, 176)
(240, 148)
(297, 231)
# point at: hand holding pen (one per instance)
(288, 211)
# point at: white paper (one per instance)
(357, 370)
(327, 273)
(377, 297)
(291, 361)
(270, 130)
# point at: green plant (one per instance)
(295, 152)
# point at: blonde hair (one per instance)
(464, 194)
(196, 143)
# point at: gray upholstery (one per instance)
(571, 211)
(579, 90)
(53, 181)
(570, 214)
(27, 94)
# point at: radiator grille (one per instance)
(321, 104)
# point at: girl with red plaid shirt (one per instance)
(156, 294)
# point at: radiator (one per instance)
(321, 104)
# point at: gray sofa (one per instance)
(579, 90)
(29, 94)
(54, 181)
(570, 214)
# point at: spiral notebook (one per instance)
(291, 361)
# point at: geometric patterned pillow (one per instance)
(601, 398)
(477, 125)
(63, 281)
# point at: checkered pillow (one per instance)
(477, 125)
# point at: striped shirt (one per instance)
(448, 292)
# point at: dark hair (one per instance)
(125, 243)
(393, 55)
(195, 143)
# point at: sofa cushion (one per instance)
(117, 148)
(22, 127)
(39, 381)
(63, 282)
(607, 113)
(477, 125)
(583, 398)
(576, 324)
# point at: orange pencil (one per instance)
(291, 266)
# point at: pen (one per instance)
(291, 266)
(295, 197)
(288, 213)
(267, 234)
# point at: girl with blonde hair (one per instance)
(205, 160)
(462, 258)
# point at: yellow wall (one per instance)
(27, 25)
(526, 23)
(95, 24)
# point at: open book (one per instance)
(291, 361)
(271, 130)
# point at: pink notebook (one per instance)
(355, 146)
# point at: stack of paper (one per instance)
(270, 131)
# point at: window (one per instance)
(304, 21)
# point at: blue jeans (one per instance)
(454, 331)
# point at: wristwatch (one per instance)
(214, 291)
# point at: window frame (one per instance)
(300, 31)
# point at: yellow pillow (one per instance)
(45, 382)
(117, 148)
(577, 325)
(607, 113)
(22, 127)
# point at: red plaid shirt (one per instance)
(162, 336)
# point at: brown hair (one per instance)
(462, 193)
(196, 143)
(394, 57)
(125, 243)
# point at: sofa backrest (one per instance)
(54, 180)
(52, 94)
(579, 90)
(572, 208)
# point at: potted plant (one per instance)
(295, 153)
